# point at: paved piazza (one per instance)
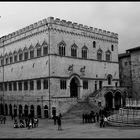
(71, 129)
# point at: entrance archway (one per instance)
(20, 110)
(117, 100)
(109, 100)
(32, 110)
(46, 111)
(10, 109)
(74, 87)
(15, 110)
(26, 110)
(38, 111)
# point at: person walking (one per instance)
(83, 116)
(4, 119)
(59, 123)
(101, 121)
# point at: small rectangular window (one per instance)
(25, 85)
(20, 86)
(85, 84)
(10, 86)
(45, 84)
(31, 85)
(14, 86)
(63, 84)
(38, 84)
(5, 86)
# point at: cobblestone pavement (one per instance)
(71, 129)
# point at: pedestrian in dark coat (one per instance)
(59, 123)
(102, 121)
(83, 116)
(4, 119)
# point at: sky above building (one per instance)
(118, 17)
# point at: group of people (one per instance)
(57, 120)
(91, 117)
(3, 119)
(28, 121)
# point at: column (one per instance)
(113, 102)
(121, 102)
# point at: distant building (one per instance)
(51, 64)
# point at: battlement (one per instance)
(59, 22)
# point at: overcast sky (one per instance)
(119, 17)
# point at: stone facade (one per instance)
(54, 67)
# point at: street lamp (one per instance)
(3, 75)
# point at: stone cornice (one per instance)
(51, 20)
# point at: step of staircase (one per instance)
(77, 110)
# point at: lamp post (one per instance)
(3, 75)
(49, 74)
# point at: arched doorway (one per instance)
(117, 100)
(1, 109)
(6, 110)
(38, 111)
(53, 111)
(124, 98)
(10, 109)
(15, 110)
(46, 111)
(32, 111)
(26, 110)
(74, 87)
(20, 110)
(109, 100)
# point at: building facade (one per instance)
(47, 66)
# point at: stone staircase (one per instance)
(77, 110)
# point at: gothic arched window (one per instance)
(108, 55)
(61, 47)
(74, 50)
(31, 50)
(20, 55)
(109, 79)
(94, 44)
(84, 52)
(45, 48)
(38, 47)
(99, 54)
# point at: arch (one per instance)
(44, 43)
(20, 50)
(109, 79)
(117, 98)
(61, 48)
(94, 44)
(38, 111)
(1, 109)
(108, 55)
(84, 52)
(15, 52)
(10, 110)
(108, 100)
(20, 110)
(74, 50)
(99, 54)
(46, 111)
(53, 111)
(15, 110)
(37, 45)
(31, 47)
(74, 87)
(26, 110)
(6, 109)
(32, 110)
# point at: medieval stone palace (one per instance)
(48, 66)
